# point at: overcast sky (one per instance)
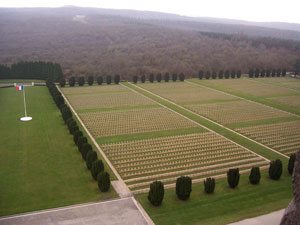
(252, 10)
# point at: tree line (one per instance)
(32, 70)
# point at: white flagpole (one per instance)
(24, 101)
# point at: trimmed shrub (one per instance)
(85, 148)
(117, 79)
(135, 79)
(71, 124)
(103, 181)
(108, 79)
(81, 140)
(97, 167)
(268, 73)
(291, 163)
(167, 77)
(156, 193)
(174, 77)
(226, 74)
(251, 72)
(275, 169)
(76, 135)
(99, 80)
(239, 74)
(214, 75)
(200, 74)
(273, 74)
(183, 187)
(256, 73)
(254, 176)
(59, 100)
(158, 77)
(91, 156)
(73, 129)
(72, 81)
(233, 177)
(284, 72)
(62, 82)
(220, 75)
(263, 73)
(278, 73)
(232, 74)
(66, 113)
(181, 77)
(209, 185)
(151, 77)
(90, 80)
(207, 75)
(81, 81)
(143, 78)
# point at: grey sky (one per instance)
(252, 10)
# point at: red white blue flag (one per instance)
(20, 88)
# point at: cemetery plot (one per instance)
(94, 89)
(284, 137)
(235, 112)
(288, 100)
(283, 81)
(132, 121)
(252, 87)
(107, 100)
(197, 155)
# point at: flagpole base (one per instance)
(26, 118)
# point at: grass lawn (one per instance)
(18, 81)
(40, 165)
(225, 205)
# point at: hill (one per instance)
(100, 41)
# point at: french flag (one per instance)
(20, 88)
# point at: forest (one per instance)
(90, 42)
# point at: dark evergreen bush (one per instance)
(227, 73)
(233, 177)
(181, 77)
(167, 77)
(85, 148)
(69, 120)
(91, 156)
(72, 81)
(108, 79)
(268, 73)
(81, 81)
(143, 78)
(263, 73)
(76, 135)
(275, 169)
(214, 75)
(174, 77)
(254, 176)
(209, 185)
(278, 73)
(207, 75)
(73, 129)
(135, 79)
(65, 112)
(251, 72)
(62, 82)
(100, 80)
(90, 80)
(117, 79)
(158, 77)
(183, 187)
(156, 193)
(103, 181)
(97, 167)
(71, 123)
(81, 140)
(220, 75)
(273, 74)
(256, 74)
(284, 72)
(151, 77)
(291, 163)
(59, 100)
(232, 74)
(200, 74)
(239, 74)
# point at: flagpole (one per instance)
(24, 101)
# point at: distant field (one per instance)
(20, 81)
(234, 112)
(40, 166)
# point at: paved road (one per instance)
(272, 218)
(116, 212)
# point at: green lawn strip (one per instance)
(208, 101)
(117, 108)
(225, 205)
(19, 81)
(262, 122)
(261, 100)
(285, 80)
(148, 135)
(40, 167)
(218, 129)
(279, 95)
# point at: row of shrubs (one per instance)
(95, 165)
(227, 74)
(184, 183)
(159, 77)
(267, 73)
(90, 80)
